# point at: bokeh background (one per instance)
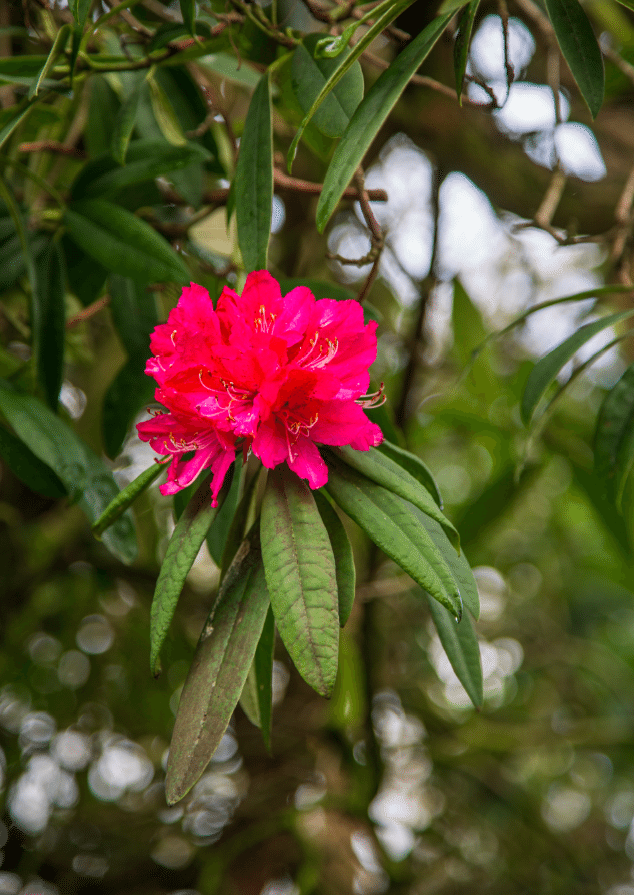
(396, 784)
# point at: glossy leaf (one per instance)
(370, 115)
(257, 695)
(460, 642)
(579, 48)
(80, 10)
(381, 469)
(28, 468)
(219, 669)
(344, 560)
(301, 577)
(84, 475)
(126, 498)
(122, 243)
(391, 523)
(310, 74)
(187, 539)
(254, 180)
(390, 12)
(145, 161)
(614, 437)
(50, 293)
(546, 369)
(415, 466)
(458, 564)
(165, 114)
(124, 126)
(462, 42)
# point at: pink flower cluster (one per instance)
(262, 372)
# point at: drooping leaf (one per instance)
(579, 48)
(145, 161)
(310, 74)
(383, 14)
(614, 436)
(28, 261)
(165, 114)
(50, 299)
(391, 523)
(257, 695)
(86, 277)
(414, 465)
(219, 669)
(134, 315)
(458, 564)
(80, 10)
(460, 643)
(239, 525)
(84, 475)
(463, 40)
(254, 180)
(12, 118)
(344, 559)
(301, 577)
(547, 368)
(187, 539)
(218, 533)
(381, 469)
(370, 115)
(126, 498)
(58, 47)
(124, 125)
(28, 468)
(122, 243)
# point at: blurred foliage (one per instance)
(119, 134)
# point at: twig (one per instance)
(88, 312)
(552, 198)
(52, 146)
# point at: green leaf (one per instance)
(9, 121)
(146, 160)
(84, 475)
(461, 45)
(579, 48)
(415, 466)
(86, 278)
(217, 534)
(187, 539)
(344, 559)
(58, 47)
(170, 31)
(257, 695)
(381, 469)
(165, 114)
(370, 115)
(80, 10)
(629, 4)
(219, 669)
(301, 577)
(128, 393)
(458, 564)
(239, 524)
(134, 315)
(546, 369)
(49, 296)
(28, 468)
(29, 264)
(460, 643)
(614, 437)
(188, 12)
(391, 523)
(126, 498)
(310, 74)
(124, 125)
(254, 180)
(451, 6)
(122, 243)
(390, 11)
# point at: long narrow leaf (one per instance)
(301, 577)
(460, 643)
(546, 369)
(613, 437)
(254, 180)
(461, 46)
(344, 559)
(84, 475)
(58, 46)
(257, 695)
(392, 524)
(187, 539)
(50, 294)
(28, 468)
(580, 49)
(415, 466)
(370, 115)
(219, 669)
(126, 498)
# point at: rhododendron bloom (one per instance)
(273, 374)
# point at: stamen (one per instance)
(374, 399)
